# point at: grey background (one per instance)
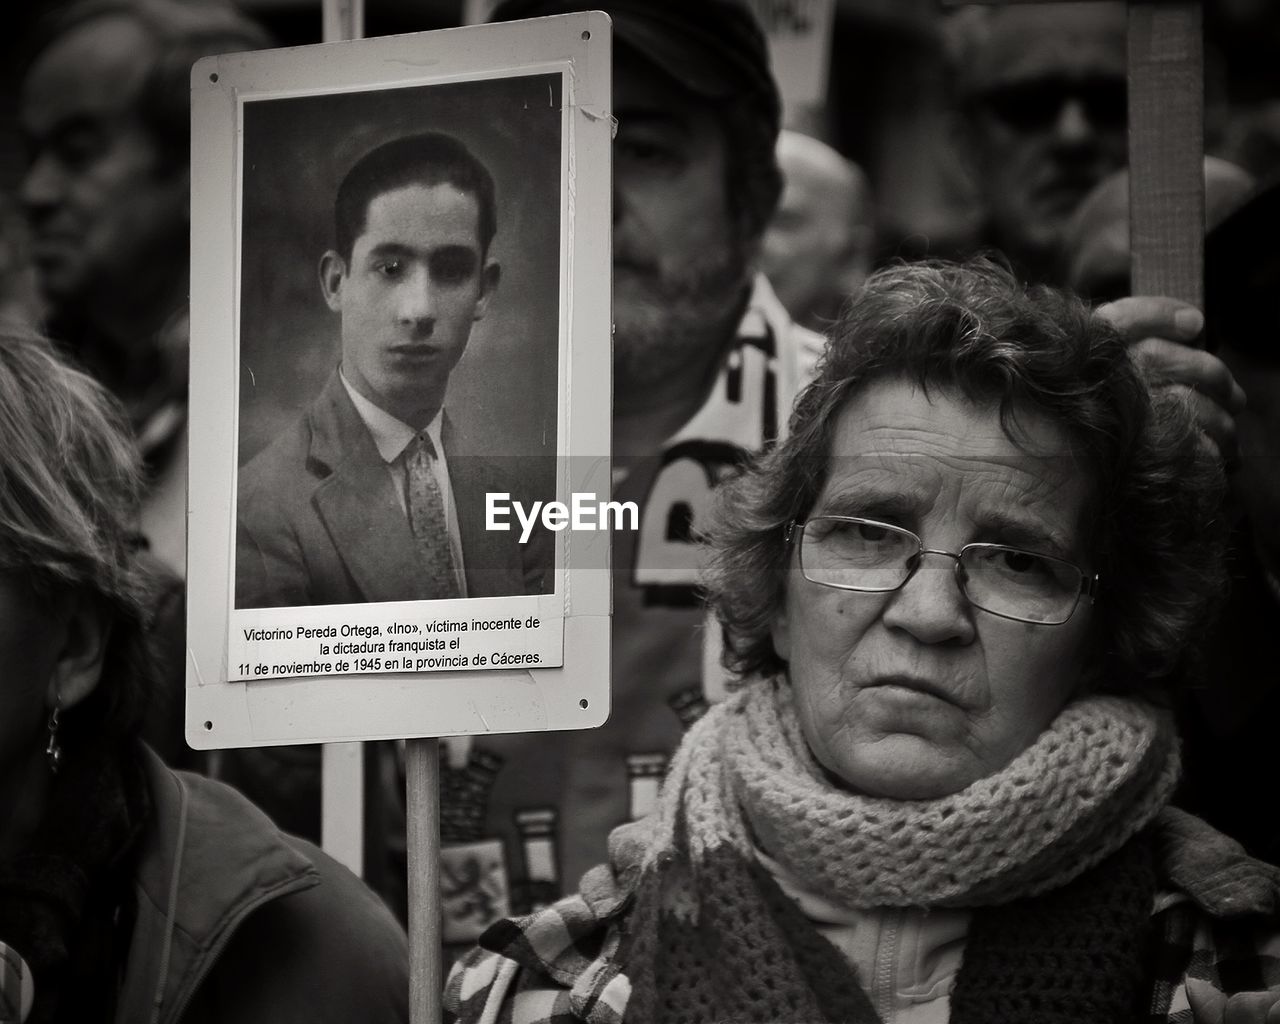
(503, 393)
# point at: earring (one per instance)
(53, 751)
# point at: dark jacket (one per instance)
(238, 922)
(319, 521)
(1227, 721)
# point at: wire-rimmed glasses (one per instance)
(871, 557)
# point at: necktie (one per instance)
(427, 519)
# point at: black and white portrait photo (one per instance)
(399, 333)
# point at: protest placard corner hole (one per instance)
(586, 34)
(583, 703)
(208, 727)
(214, 77)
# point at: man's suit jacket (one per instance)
(319, 521)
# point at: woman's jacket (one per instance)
(238, 922)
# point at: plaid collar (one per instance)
(575, 943)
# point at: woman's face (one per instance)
(915, 694)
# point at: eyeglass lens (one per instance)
(856, 554)
(1037, 104)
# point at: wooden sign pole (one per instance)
(342, 764)
(344, 19)
(426, 983)
(1166, 149)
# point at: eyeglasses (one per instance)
(870, 557)
(1036, 105)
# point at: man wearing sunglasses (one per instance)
(1042, 120)
(1042, 117)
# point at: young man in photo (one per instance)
(374, 495)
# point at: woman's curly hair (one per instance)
(70, 480)
(1156, 506)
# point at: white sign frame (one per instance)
(225, 711)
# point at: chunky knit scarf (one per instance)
(1045, 851)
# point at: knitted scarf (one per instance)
(1046, 851)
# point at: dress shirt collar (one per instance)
(390, 435)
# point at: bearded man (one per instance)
(706, 364)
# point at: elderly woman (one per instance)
(129, 892)
(955, 595)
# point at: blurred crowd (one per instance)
(743, 224)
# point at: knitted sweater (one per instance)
(908, 957)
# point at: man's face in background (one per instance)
(415, 282)
(1046, 117)
(818, 247)
(679, 265)
(107, 212)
